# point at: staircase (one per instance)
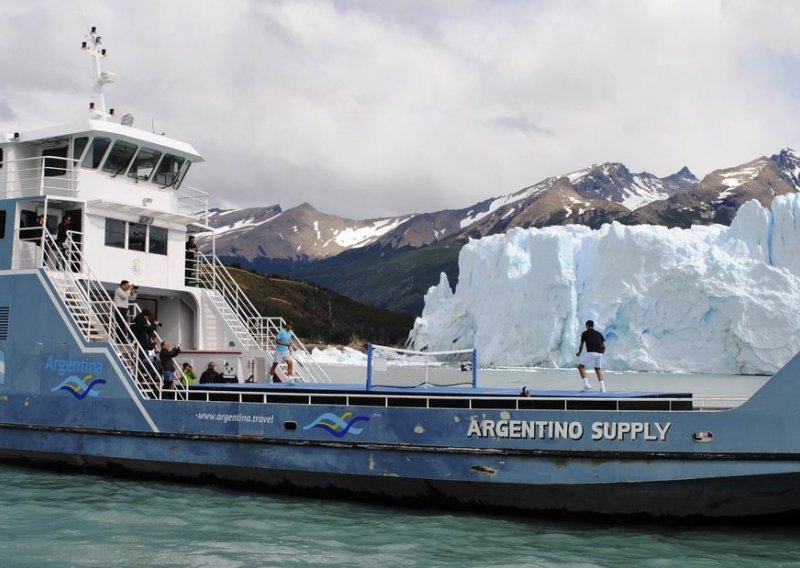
(252, 330)
(94, 312)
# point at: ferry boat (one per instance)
(77, 390)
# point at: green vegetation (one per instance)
(395, 278)
(320, 315)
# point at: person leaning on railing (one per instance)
(210, 375)
(188, 375)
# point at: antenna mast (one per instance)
(92, 47)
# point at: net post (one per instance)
(474, 368)
(369, 366)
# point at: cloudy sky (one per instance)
(368, 108)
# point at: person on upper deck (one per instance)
(34, 233)
(62, 235)
(595, 347)
(191, 261)
(283, 352)
(210, 375)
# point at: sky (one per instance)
(368, 108)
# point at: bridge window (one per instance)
(2, 224)
(119, 157)
(158, 240)
(144, 164)
(168, 170)
(96, 152)
(78, 146)
(140, 236)
(115, 233)
(137, 236)
(1, 157)
(182, 174)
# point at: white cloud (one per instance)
(367, 109)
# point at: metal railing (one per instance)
(252, 330)
(94, 311)
(43, 175)
(328, 397)
(193, 202)
(176, 368)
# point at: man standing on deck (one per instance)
(191, 262)
(62, 236)
(595, 347)
(283, 341)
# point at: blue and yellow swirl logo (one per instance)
(339, 426)
(80, 388)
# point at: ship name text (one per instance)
(552, 430)
(64, 366)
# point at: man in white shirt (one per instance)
(123, 296)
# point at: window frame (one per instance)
(152, 245)
(132, 150)
(133, 236)
(91, 155)
(124, 234)
(158, 154)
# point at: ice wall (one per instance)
(705, 299)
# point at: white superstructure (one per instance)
(131, 214)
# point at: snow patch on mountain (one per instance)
(242, 224)
(358, 237)
(706, 299)
(495, 204)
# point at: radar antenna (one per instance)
(93, 48)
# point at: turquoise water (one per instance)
(59, 519)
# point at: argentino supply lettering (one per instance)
(551, 430)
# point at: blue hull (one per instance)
(739, 463)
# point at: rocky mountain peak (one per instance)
(680, 181)
(786, 159)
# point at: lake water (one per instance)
(52, 519)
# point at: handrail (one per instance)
(194, 202)
(371, 398)
(184, 380)
(70, 274)
(27, 177)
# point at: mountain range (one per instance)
(391, 262)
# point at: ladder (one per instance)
(95, 314)
(251, 329)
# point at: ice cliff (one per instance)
(705, 299)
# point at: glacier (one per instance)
(709, 299)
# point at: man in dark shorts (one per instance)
(595, 347)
